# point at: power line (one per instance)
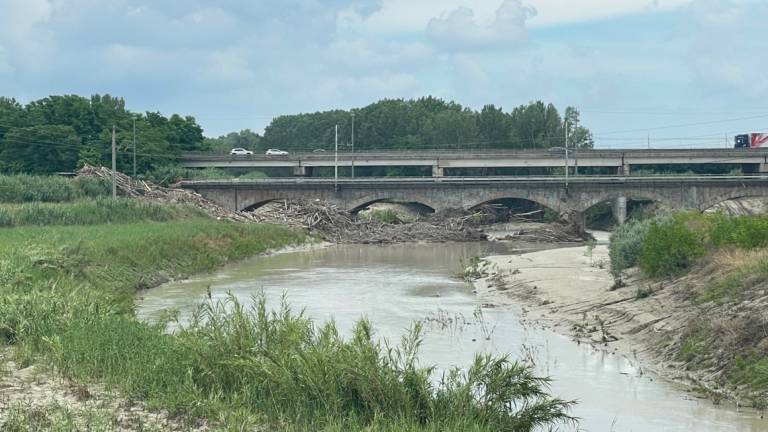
(762, 116)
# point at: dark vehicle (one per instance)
(752, 140)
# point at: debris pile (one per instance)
(149, 191)
(340, 226)
(569, 228)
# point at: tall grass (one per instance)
(66, 298)
(91, 212)
(24, 188)
(668, 245)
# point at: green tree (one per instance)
(580, 137)
(40, 149)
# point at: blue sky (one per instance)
(682, 72)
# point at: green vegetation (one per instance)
(66, 296)
(743, 232)
(428, 123)
(751, 370)
(23, 188)
(386, 216)
(727, 337)
(170, 174)
(669, 249)
(91, 212)
(627, 241)
(669, 245)
(61, 133)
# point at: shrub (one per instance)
(669, 248)
(627, 240)
(387, 216)
(740, 231)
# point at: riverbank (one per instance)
(66, 305)
(572, 291)
(55, 280)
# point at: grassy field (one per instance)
(23, 188)
(66, 296)
(91, 212)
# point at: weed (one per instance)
(642, 293)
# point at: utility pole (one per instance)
(114, 164)
(336, 160)
(134, 147)
(649, 141)
(353, 145)
(566, 156)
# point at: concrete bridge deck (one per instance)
(620, 160)
(583, 192)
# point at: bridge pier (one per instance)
(620, 210)
(302, 171)
(624, 169)
(438, 171)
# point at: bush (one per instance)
(669, 248)
(388, 216)
(740, 231)
(627, 241)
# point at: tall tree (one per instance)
(40, 149)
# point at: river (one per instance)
(395, 285)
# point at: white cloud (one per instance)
(460, 29)
(228, 67)
(408, 16)
(19, 18)
(361, 54)
(725, 37)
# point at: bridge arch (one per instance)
(549, 202)
(587, 202)
(732, 195)
(253, 206)
(358, 204)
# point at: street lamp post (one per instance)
(353, 145)
(336, 159)
(566, 156)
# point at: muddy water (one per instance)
(395, 285)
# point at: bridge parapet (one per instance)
(446, 193)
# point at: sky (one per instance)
(659, 73)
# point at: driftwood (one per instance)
(148, 191)
(340, 226)
(337, 225)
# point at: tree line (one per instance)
(429, 123)
(61, 133)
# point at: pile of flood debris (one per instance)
(145, 190)
(338, 225)
(569, 228)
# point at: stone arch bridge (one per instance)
(581, 193)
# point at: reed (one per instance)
(91, 212)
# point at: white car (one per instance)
(276, 152)
(240, 151)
